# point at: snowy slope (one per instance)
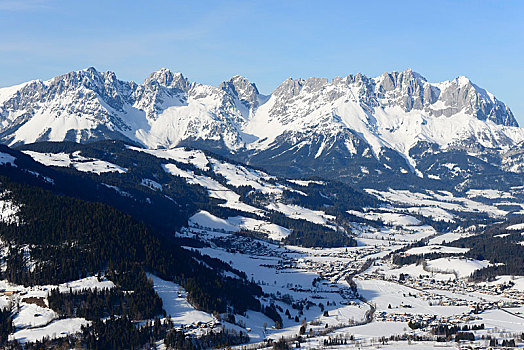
(462, 267)
(76, 161)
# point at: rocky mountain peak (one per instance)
(243, 89)
(461, 94)
(407, 80)
(166, 78)
(289, 88)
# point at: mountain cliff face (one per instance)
(349, 127)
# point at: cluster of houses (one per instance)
(505, 295)
(335, 264)
(425, 319)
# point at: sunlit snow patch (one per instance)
(237, 175)
(273, 231)
(305, 183)
(516, 227)
(181, 155)
(8, 210)
(75, 160)
(207, 220)
(435, 203)
(215, 189)
(87, 283)
(152, 184)
(461, 267)
(175, 304)
(488, 193)
(298, 212)
(436, 249)
(387, 218)
(57, 329)
(32, 315)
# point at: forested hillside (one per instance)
(57, 238)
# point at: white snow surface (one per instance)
(387, 218)
(273, 231)
(56, 329)
(181, 155)
(215, 189)
(417, 271)
(305, 183)
(35, 320)
(87, 283)
(436, 249)
(209, 221)
(385, 293)
(75, 160)
(8, 210)
(488, 193)
(32, 315)
(7, 159)
(152, 184)
(174, 302)
(235, 175)
(8, 92)
(206, 220)
(436, 204)
(516, 227)
(238, 175)
(297, 212)
(462, 267)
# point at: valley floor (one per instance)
(387, 299)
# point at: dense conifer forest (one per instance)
(500, 246)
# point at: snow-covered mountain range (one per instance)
(348, 127)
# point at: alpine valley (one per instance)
(338, 213)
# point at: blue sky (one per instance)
(268, 41)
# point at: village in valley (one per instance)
(356, 297)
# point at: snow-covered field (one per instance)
(235, 175)
(33, 319)
(55, 329)
(445, 203)
(516, 227)
(387, 218)
(401, 299)
(174, 302)
(8, 209)
(206, 220)
(436, 249)
(76, 161)
(7, 159)
(209, 221)
(488, 193)
(462, 267)
(298, 212)
(415, 270)
(181, 155)
(215, 189)
(273, 231)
